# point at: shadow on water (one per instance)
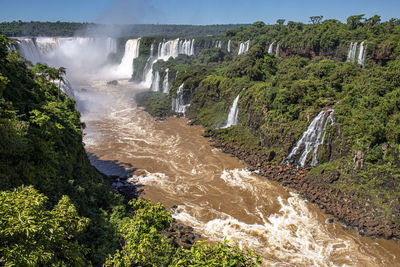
(118, 172)
(111, 167)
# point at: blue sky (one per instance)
(192, 11)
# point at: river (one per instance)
(213, 191)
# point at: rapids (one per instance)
(214, 192)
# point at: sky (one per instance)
(192, 11)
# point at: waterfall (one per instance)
(111, 46)
(229, 46)
(244, 47)
(277, 50)
(155, 85)
(218, 44)
(131, 52)
(152, 50)
(362, 54)
(166, 49)
(311, 139)
(233, 114)
(178, 104)
(165, 88)
(351, 55)
(29, 50)
(271, 47)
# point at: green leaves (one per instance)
(145, 245)
(31, 234)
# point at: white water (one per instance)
(229, 46)
(165, 88)
(155, 85)
(233, 114)
(312, 138)
(81, 56)
(178, 104)
(351, 55)
(271, 47)
(244, 47)
(218, 44)
(125, 69)
(362, 54)
(277, 50)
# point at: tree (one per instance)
(355, 21)
(280, 21)
(259, 24)
(30, 234)
(316, 19)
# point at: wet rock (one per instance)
(113, 82)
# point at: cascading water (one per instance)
(362, 54)
(244, 47)
(233, 114)
(229, 46)
(311, 139)
(351, 55)
(165, 88)
(178, 104)
(271, 47)
(277, 50)
(218, 44)
(29, 50)
(155, 85)
(131, 52)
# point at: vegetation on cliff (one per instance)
(280, 94)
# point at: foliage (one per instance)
(31, 234)
(155, 103)
(145, 245)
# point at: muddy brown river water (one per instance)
(214, 192)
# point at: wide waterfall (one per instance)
(311, 139)
(271, 47)
(166, 49)
(173, 48)
(244, 47)
(131, 52)
(178, 104)
(29, 50)
(165, 88)
(155, 85)
(229, 46)
(233, 114)
(218, 44)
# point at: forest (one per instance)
(56, 29)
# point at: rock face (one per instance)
(361, 215)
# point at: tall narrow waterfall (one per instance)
(165, 88)
(362, 54)
(218, 44)
(131, 52)
(229, 46)
(277, 51)
(244, 47)
(351, 55)
(155, 85)
(178, 104)
(233, 114)
(271, 47)
(311, 139)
